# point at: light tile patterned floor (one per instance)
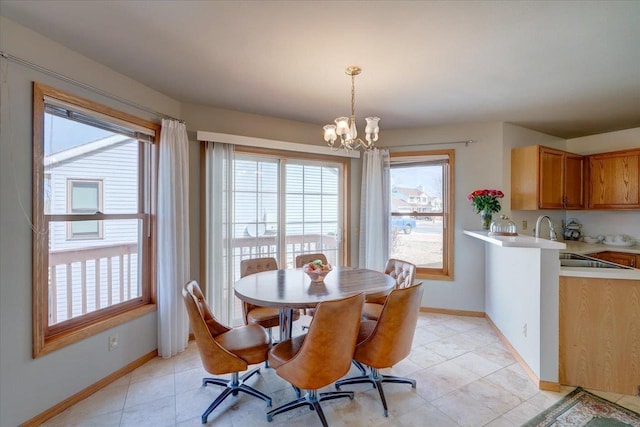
(465, 376)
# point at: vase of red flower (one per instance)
(485, 202)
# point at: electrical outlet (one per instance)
(524, 329)
(113, 342)
(524, 224)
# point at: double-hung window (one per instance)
(93, 235)
(421, 201)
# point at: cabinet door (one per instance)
(614, 181)
(573, 181)
(551, 183)
(621, 258)
(598, 338)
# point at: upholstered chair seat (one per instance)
(387, 341)
(225, 350)
(320, 357)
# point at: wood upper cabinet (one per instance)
(614, 180)
(546, 178)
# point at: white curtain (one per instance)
(219, 182)
(173, 263)
(374, 210)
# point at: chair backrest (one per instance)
(256, 265)
(253, 266)
(215, 359)
(391, 339)
(307, 258)
(402, 271)
(325, 356)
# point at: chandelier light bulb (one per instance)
(345, 127)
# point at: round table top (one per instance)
(294, 289)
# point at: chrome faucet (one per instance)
(552, 231)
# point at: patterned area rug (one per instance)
(581, 408)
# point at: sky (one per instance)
(430, 177)
(62, 134)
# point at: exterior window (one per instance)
(93, 240)
(284, 206)
(422, 211)
(84, 197)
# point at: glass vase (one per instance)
(486, 219)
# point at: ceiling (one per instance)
(566, 68)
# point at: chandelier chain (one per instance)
(353, 96)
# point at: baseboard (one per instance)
(452, 312)
(542, 385)
(83, 394)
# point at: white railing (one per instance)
(265, 246)
(82, 280)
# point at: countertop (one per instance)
(589, 248)
(604, 273)
(524, 241)
(519, 241)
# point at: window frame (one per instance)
(47, 338)
(70, 186)
(284, 155)
(448, 213)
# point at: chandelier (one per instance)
(345, 127)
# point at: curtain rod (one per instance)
(84, 85)
(466, 144)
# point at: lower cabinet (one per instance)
(600, 334)
(622, 258)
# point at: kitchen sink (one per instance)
(575, 260)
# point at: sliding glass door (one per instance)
(281, 207)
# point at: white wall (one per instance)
(29, 386)
(522, 301)
(607, 222)
(512, 298)
(478, 165)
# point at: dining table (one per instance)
(292, 289)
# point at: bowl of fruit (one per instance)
(317, 270)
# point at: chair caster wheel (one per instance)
(269, 418)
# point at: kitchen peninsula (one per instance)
(568, 325)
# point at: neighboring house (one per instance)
(99, 258)
(410, 200)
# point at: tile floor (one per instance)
(465, 376)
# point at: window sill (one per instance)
(47, 345)
(435, 276)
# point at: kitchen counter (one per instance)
(520, 241)
(604, 273)
(522, 276)
(589, 248)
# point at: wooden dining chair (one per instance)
(225, 350)
(321, 356)
(385, 342)
(267, 317)
(403, 272)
